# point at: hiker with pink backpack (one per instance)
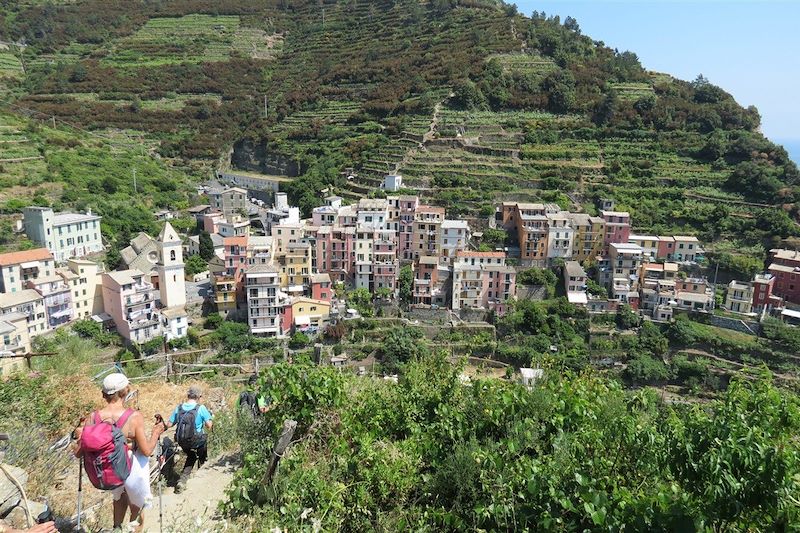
(115, 451)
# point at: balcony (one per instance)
(53, 288)
(11, 347)
(57, 301)
(143, 286)
(146, 323)
(138, 299)
(137, 314)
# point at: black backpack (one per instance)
(186, 430)
(248, 402)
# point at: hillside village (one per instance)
(432, 265)
(282, 274)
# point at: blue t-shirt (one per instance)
(200, 418)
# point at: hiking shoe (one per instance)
(180, 486)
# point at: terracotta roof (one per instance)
(241, 240)
(13, 258)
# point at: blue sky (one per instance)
(749, 48)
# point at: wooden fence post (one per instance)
(285, 438)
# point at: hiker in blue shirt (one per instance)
(191, 420)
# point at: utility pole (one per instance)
(54, 121)
(134, 182)
(323, 19)
(714, 301)
(265, 106)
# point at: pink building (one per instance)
(666, 247)
(431, 282)
(335, 252)
(618, 227)
(212, 220)
(406, 208)
(321, 287)
(786, 269)
(326, 215)
(763, 297)
(482, 280)
(130, 300)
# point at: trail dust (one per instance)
(194, 508)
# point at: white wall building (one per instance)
(392, 183)
(455, 237)
(66, 235)
(262, 288)
(172, 286)
(560, 236)
(30, 303)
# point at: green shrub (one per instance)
(299, 340)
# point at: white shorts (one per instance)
(137, 486)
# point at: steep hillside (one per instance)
(471, 101)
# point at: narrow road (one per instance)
(194, 508)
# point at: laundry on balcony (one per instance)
(62, 313)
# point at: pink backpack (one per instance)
(105, 452)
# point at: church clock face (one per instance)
(152, 257)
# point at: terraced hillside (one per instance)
(68, 168)
(470, 101)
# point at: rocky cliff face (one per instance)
(252, 156)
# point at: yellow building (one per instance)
(84, 280)
(224, 293)
(295, 267)
(589, 236)
(224, 286)
(309, 313)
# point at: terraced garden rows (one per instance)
(632, 91)
(328, 112)
(191, 39)
(10, 65)
(20, 158)
(534, 65)
(174, 102)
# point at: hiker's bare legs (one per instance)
(137, 516)
(120, 508)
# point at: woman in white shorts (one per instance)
(135, 494)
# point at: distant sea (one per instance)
(793, 147)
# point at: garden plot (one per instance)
(191, 39)
(20, 159)
(173, 102)
(327, 112)
(438, 165)
(10, 65)
(632, 91)
(531, 64)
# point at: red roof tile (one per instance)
(14, 258)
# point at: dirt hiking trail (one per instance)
(193, 509)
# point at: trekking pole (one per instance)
(161, 462)
(80, 474)
(80, 493)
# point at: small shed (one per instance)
(529, 376)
